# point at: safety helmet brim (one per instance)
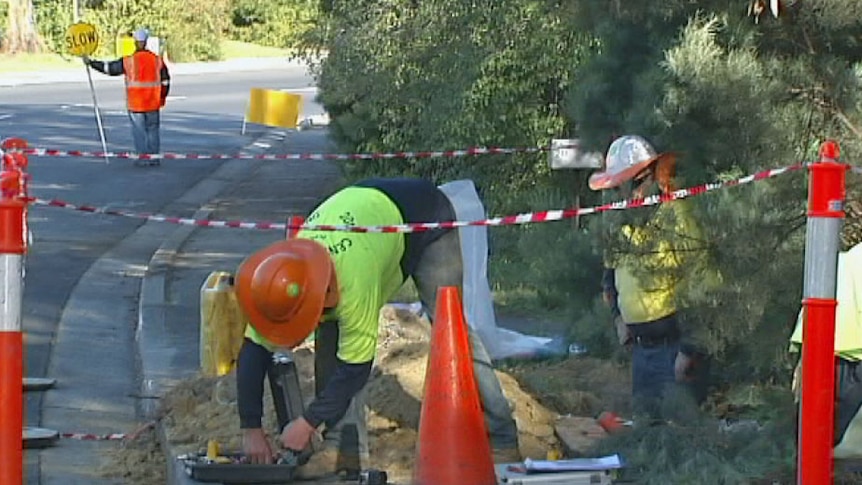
(286, 332)
(609, 180)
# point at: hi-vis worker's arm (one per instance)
(252, 365)
(165, 77)
(111, 68)
(848, 315)
(854, 262)
(848, 322)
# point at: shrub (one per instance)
(53, 18)
(191, 31)
(280, 23)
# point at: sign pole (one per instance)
(98, 114)
(82, 39)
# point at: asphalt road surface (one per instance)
(64, 283)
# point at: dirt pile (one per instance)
(137, 461)
(202, 408)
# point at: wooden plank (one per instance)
(578, 434)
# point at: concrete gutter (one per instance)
(155, 351)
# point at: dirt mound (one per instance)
(204, 408)
(395, 393)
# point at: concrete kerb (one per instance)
(154, 352)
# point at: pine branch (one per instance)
(846, 121)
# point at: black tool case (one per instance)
(199, 468)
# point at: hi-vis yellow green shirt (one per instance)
(367, 266)
(646, 276)
(848, 315)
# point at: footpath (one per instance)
(79, 74)
(246, 190)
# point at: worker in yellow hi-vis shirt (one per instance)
(656, 249)
(848, 354)
(334, 283)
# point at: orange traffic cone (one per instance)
(453, 446)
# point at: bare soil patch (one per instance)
(204, 408)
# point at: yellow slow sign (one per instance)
(82, 39)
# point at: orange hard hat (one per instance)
(283, 288)
(627, 157)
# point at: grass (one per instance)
(232, 49)
(37, 62)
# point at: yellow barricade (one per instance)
(272, 108)
(125, 45)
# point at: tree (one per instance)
(735, 94)
(22, 35)
(735, 87)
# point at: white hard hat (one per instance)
(627, 157)
(141, 35)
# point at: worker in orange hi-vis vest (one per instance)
(147, 86)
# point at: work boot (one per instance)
(321, 464)
(507, 455)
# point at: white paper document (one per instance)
(610, 462)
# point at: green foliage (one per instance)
(279, 23)
(53, 18)
(595, 331)
(449, 74)
(732, 97)
(690, 447)
(190, 30)
(568, 261)
(731, 94)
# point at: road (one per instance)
(83, 271)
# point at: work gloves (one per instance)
(92, 62)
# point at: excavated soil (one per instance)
(204, 408)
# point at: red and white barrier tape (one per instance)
(466, 152)
(109, 436)
(94, 437)
(525, 218)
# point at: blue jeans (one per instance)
(145, 131)
(652, 375)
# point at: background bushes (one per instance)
(190, 30)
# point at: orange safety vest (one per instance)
(143, 81)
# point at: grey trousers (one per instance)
(439, 265)
(145, 131)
